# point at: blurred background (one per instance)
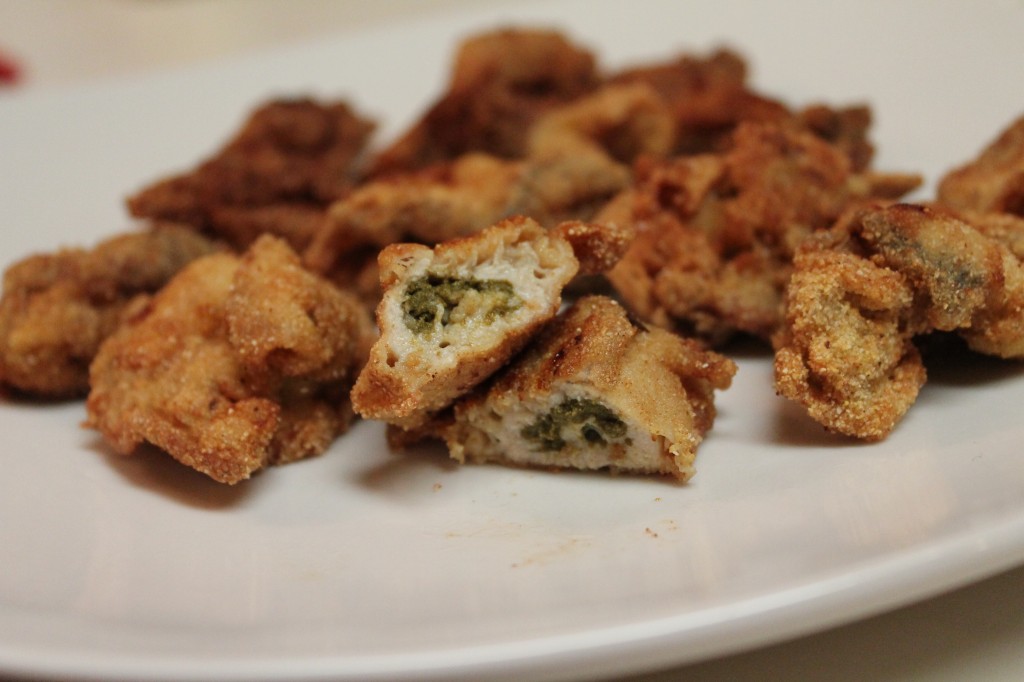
(58, 42)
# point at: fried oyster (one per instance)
(238, 363)
(717, 232)
(577, 159)
(709, 97)
(862, 293)
(289, 160)
(595, 390)
(501, 82)
(452, 315)
(57, 308)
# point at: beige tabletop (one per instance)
(973, 633)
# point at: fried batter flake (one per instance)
(622, 122)
(707, 95)
(461, 199)
(240, 362)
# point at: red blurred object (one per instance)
(10, 72)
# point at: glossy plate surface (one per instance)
(363, 564)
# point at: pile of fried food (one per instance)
(556, 257)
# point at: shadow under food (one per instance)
(951, 363)
(152, 469)
(406, 470)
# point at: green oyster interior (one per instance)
(432, 295)
(595, 423)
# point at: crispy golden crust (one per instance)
(845, 353)
(413, 373)
(57, 308)
(707, 96)
(689, 80)
(238, 363)
(575, 163)
(845, 128)
(712, 208)
(973, 277)
(717, 232)
(598, 369)
(622, 122)
(446, 201)
(461, 198)
(988, 193)
(861, 293)
(992, 182)
(296, 223)
(290, 159)
(570, 187)
(501, 82)
(950, 266)
(1005, 228)
(597, 246)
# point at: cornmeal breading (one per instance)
(461, 198)
(596, 390)
(57, 308)
(238, 363)
(845, 353)
(296, 223)
(452, 315)
(1005, 228)
(864, 291)
(237, 333)
(988, 193)
(996, 325)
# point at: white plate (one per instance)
(363, 564)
